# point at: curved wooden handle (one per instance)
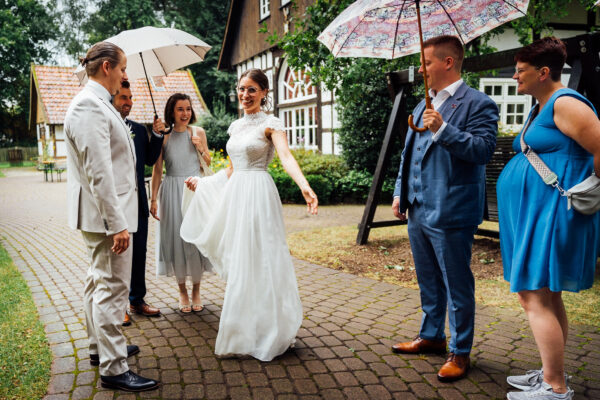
(413, 126)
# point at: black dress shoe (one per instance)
(129, 382)
(132, 350)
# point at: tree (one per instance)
(25, 27)
(207, 19)
(203, 18)
(364, 104)
(114, 16)
(540, 12)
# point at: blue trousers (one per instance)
(443, 265)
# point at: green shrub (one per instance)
(287, 188)
(330, 178)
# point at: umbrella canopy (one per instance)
(389, 28)
(162, 50)
(154, 51)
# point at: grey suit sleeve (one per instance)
(92, 137)
(476, 143)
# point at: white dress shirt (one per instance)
(437, 100)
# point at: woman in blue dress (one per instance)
(547, 248)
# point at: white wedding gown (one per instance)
(238, 224)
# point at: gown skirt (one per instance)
(238, 224)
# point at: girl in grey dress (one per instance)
(174, 256)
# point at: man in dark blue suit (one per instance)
(147, 151)
(441, 190)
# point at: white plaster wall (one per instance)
(509, 40)
(329, 116)
(59, 132)
(326, 138)
(61, 149)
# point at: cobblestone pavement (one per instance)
(343, 347)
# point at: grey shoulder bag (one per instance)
(583, 197)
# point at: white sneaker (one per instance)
(543, 392)
(531, 380)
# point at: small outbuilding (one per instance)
(52, 88)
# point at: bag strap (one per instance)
(203, 166)
(547, 175)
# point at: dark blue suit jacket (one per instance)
(146, 152)
(453, 168)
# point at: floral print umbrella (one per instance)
(389, 28)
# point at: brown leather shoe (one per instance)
(127, 319)
(145, 310)
(419, 345)
(455, 368)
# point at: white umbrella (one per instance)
(154, 51)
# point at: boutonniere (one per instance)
(454, 105)
(131, 134)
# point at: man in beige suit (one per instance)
(102, 204)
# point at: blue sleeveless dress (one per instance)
(542, 243)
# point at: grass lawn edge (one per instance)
(25, 355)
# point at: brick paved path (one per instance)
(342, 349)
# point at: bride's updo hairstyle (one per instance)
(258, 76)
(100, 52)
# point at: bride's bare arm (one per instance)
(289, 163)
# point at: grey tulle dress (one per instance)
(173, 255)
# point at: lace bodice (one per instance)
(247, 146)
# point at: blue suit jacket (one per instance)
(453, 167)
(146, 152)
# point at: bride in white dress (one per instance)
(235, 219)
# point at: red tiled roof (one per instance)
(56, 86)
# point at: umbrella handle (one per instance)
(411, 124)
(166, 131)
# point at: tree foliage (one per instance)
(205, 19)
(114, 16)
(25, 27)
(539, 14)
(360, 85)
(362, 98)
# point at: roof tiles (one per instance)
(56, 86)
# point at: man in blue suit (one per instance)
(147, 151)
(441, 190)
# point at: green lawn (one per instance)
(25, 356)
(5, 164)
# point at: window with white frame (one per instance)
(265, 9)
(513, 107)
(298, 108)
(301, 126)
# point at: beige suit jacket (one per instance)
(101, 181)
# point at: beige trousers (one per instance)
(105, 299)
